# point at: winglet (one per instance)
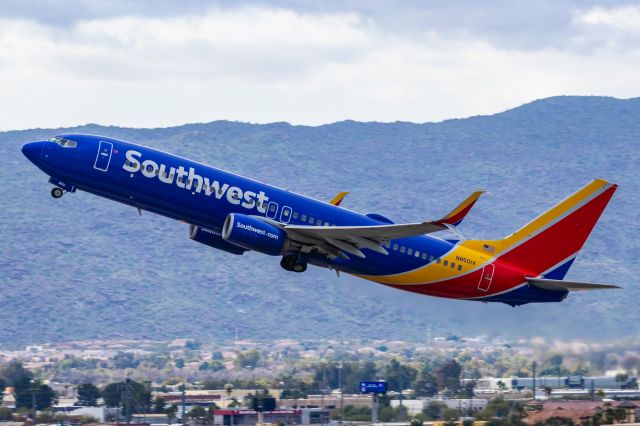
(456, 215)
(338, 198)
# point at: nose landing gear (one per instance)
(294, 262)
(57, 192)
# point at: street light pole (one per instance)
(340, 366)
(33, 399)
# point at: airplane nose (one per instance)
(33, 150)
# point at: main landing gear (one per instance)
(294, 262)
(57, 192)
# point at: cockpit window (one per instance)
(65, 143)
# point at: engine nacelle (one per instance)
(254, 234)
(213, 239)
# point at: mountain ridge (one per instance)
(84, 267)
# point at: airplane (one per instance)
(236, 214)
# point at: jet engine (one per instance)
(254, 234)
(213, 239)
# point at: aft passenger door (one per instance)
(486, 277)
(104, 156)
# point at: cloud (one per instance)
(153, 64)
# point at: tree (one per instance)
(124, 360)
(228, 389)
(171, 411)
(114, 394)
(468, 390)
(88, 395)
(450, 414)
(425, 384)
(192, 345)
(211, 366)
(415, 421)
(159, 405)
(398, 376)
(43, 394)
(249, 359)
(6, 414)
(197, 412)
(448, 376)
(621, 379)
(433, 410)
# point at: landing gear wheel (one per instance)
(57, 192)
(299, 267)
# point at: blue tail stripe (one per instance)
(560, 271)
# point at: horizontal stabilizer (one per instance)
(561, 285)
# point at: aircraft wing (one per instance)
(351, 239)
(561, 285)
(375, 232)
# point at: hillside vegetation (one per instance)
(84, 267)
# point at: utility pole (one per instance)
(401, 408)
(127, 401)
(33, 400)
(184, 404)
(534, 380)
(340, 366)
(592, 391)
(374, 408)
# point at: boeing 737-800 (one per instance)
(235, 214)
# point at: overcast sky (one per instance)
(161, 63)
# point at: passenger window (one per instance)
(387, 244)
(438, 260)
(395, 247)
(417, 253)
(311, 220)
(272, 208)
(402, 249)
(445, 263)
(286, 212)
(326, 224)
(459, 267)
(424, 256)
(431, 258)
(453, 265)
(410, 251)
(303, 218)
(295, 215)
(319, 222)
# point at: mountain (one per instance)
(83, 267)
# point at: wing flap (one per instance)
(561, 285)
(375, 233)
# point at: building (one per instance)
(582, 411)
(466, 406)
(329, 402)
(232, 417)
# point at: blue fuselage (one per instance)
(172, 186)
